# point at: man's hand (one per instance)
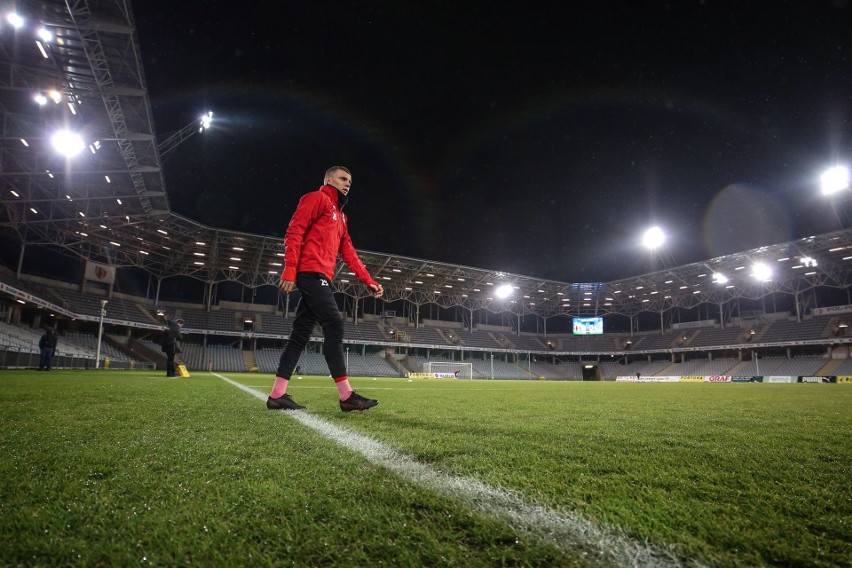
(377, 290)
(287, 286)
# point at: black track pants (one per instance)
(317, 305)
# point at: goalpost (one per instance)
(449, 370)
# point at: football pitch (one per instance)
(132, 468)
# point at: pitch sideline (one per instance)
(567, 531)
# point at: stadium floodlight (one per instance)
(653, 238)
(834, 180)
(761, 271)
(67, 143)
(503, 291)
(206, 121)
(195, 127)
(15, 20)
(45, 35)
(720, 278)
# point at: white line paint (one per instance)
(567, 531)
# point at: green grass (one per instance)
(129, 468)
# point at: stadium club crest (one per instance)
(100, 272)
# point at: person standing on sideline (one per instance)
(316, 235)
(47, 347)
(169, 344)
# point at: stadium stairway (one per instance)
(120, 342)
(665, 371)
(830, 367)
(450, 337)
(402, 363)
(139, 350)
(687, 339)
(250, 361)
(736, 370)
(759, 333)
(412, 364)
(149, 317)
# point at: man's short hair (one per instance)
(333, 169)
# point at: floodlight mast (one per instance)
(195, 127)
(100, 334)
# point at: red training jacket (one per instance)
(316, 235)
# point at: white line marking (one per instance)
(567, 531)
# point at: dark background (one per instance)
(534, 138)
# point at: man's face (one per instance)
(339, 180)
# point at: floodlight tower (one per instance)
(195, 127)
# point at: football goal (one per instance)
(449, 370)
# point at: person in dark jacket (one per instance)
(169, 344)
(316, 235)
(47, 347)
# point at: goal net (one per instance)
(449, 370)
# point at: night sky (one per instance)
(535, 138)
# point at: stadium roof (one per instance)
(109, 204)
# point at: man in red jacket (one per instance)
(317, 234)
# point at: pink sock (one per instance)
(343, 387)
(279, 389)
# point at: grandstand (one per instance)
(523, 342)
(420, 336)
(365, 331)
(218, 320)
(500, 370)
(844, 367)
(784, 346)
(707, 337)
(591, 343)
(566, 371)
(74, 349)
(483, 340)
(277, 325)
(798, 366)
(119, 307)
(786, 331)
(656, 341)
(370, 366)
